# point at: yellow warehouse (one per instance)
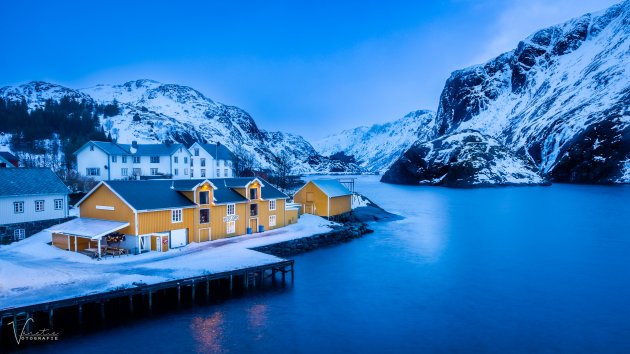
(324, 197)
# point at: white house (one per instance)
(211, 161)
(105, 161)
(31, 199)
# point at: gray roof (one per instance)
(8, 156)
(112, 148)
(30, 181)
(223, 152)
(331, 187)
(225, 188)
(150, 195)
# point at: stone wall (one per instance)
(30, 228)
(341, 234)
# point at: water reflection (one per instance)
(208, 333)
(257, 319)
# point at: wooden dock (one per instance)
(143, 296)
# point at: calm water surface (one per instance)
(536, 269)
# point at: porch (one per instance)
(89, 236)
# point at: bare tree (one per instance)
(243, 161)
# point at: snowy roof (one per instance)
(30, 181)
(224, 192)
(88, 228)
(331, 187)
(109, 147)
(223, 152)
(112, 148)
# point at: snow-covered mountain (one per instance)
(375, 148)
(155, 112)
(560, 99)
(466, 158)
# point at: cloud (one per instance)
(522, 18)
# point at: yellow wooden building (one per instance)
(157, 215)
(324, 197)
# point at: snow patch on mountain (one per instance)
(376, 147)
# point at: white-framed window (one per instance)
(229, 163)
(176, 159)
(91, 147)
(192, 162)
(176, 172)
(124, 159)
(136, 159)
(272, 204)
(272, 220)
(204, 197)
(191, 173)
(39, 205)
(231, 209)
(58, 204)
(92, 171)
(18, 207)
(204, 216)
(186, 159)
(218, 173)
(231, 227)
(203, 172)
(176, 215)
(19, 234)
(225, 173)
(124, 171)
(154, 171)
(202, 162)
(114, 158)
(196, 151)
(155, 159)
(185, 172)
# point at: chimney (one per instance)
(134, 144)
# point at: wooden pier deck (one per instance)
(143, 295)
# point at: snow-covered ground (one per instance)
(32, 271)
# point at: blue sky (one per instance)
(306, 68)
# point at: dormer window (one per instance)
(204, 197)
(253, 193)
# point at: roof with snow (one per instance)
(88, 227)
(225, 193)
(331, 187)
(30, 181)
(223, 152)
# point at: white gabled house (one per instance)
(106, 161)
(31, 199)
(211, 161)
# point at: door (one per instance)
(145, 243)
(179, 238)
(204, 235)
(253, 223)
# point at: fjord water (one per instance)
(499, 270)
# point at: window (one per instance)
(218, 173)
(229, 163)
(225, 173)
(39, 205)
(253, 193)
(176, 215)
(136, 159)
(230, 209)
(186, 159)
(124, 172)
(203, 172)
(196, 151)
(91, 147)
(253, 210)
(185, 172)
(19, 234)
(218, 163)
(176, 172)
(93, 172)
(203, 162)
(124, 159)
(204, 216)
(154, 171)
(191, 173)
(272, 204)
(155, 159)
(18, 207)
(203, 197)
(58, 204)
(231, 227)
(272, 220)
(114, 158)
(176, 159)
